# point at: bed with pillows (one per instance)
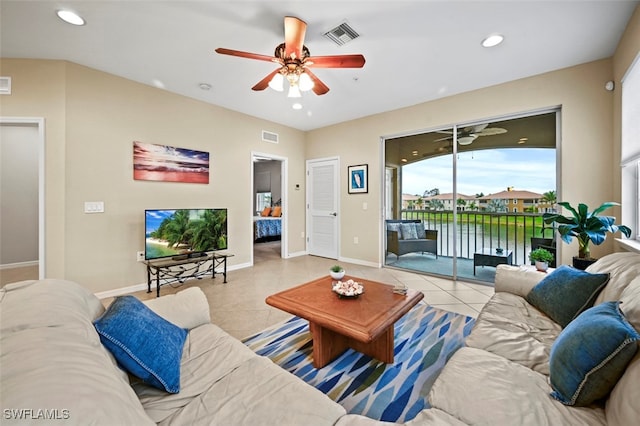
(268, 225)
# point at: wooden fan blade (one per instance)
(336, 61)
(294, 31)
(248, 55)
(264, 83)
(319, 88)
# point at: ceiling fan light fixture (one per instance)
(493, 40)
(305, 82)
(294, 91)
(277, 83)
(466, 140)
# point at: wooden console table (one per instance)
(171, 270)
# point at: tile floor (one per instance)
(238, 307)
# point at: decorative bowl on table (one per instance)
(348, 289)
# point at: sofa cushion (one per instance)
(52, 358)
(225, 383)
(591, 354)
(408, 231)
(480, 388)
(421, 233)
(623, 268)
(622, 407)
(510, 327)
(145, 344)
(566, 292)
(187, 308)
(630, 303)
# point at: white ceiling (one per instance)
(415, 51)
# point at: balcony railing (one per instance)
(478, 230)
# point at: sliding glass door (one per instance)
(481, 187)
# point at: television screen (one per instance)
(170, 233)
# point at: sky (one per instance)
(487, 171)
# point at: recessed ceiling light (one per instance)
(70, 17)
(522, 140)
(204, 86)
(296, 106)
(492, 40)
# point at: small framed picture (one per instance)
(358, 179)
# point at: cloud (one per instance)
(486, 171)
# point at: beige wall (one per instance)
(587, 129)
(92, 119)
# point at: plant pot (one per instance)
(582, 263)
(542, 266)
(337, 275)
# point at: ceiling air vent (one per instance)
(269, 137)
(341, 34)
(5, 85)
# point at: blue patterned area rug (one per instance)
(425, 338)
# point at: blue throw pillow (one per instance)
(566, 292)
(408, 231)
(591, 354)
(143, 343)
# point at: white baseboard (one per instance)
(19, 264)
(298, 254)
(139, 287)
(360, 262)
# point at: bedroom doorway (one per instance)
(268, 207)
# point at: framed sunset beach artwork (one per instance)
(169, 164)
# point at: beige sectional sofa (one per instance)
(55, 367)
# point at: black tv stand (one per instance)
(181, 268)
(197, 254)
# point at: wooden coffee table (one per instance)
(364, 323)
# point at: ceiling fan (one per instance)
(468, 134)
(295, 60)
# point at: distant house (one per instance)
(446, 202)
(515, 201)
(409, 201)
(510, 200)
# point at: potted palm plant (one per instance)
(542, 257)
(586, 227)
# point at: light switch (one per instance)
(364, 206)
(94, 206)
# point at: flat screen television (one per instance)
(184, 232)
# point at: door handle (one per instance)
(334, 214)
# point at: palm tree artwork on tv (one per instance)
(186, 231)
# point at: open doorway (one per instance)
(22, 224)
(268, 207)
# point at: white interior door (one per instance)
(323, 178)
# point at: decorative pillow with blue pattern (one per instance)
(591, 354)
(144, 344)
(566, 292)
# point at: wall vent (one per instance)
(269, 137)
(5, 85)
(341, 34)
